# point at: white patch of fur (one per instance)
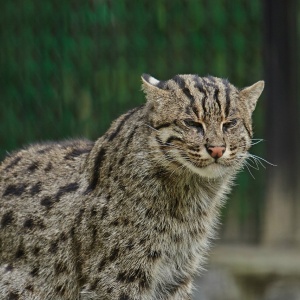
(153, 81)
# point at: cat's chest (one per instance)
(180, 256)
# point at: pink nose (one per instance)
(216, 151)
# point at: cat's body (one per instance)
(128, 217)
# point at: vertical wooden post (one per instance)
(282, 209)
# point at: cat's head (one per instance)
(202, 124)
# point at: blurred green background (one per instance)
(68, 68)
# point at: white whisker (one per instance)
(259, 159)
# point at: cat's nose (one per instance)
(216, 151)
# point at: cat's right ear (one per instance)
(155, 91)
(151, 84)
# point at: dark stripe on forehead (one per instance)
(180, 81)
(227, 96)
(202, 90)
(216, 97)
(182, 84)
(210, 81)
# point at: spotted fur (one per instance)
(130, 216)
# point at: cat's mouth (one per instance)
(209, 168)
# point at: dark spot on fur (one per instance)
(47, 202)
(14, 190)
(104, 212)
(60, 290)
(102, 264)
(121, 160)
(59, 268)
(7, 219)
(72, 232)
(94, 284)
(115, 222)
(96, 170)
(109, 290)
(176, 238)
(134, 275)
(79, 216)
(130, 244)
(28, 223)
(33, 167)
(94, 235)
(13, 296)
(13, 163)
(154, 255)
(63, 237)
(108, 197)
(124, 296)
(36, 251)
(44, 150)
(35, 189)
(143, 241)
(149, 213)
(125, 222)
(106, 235)
(20, 253)
(114, 254)
(93, 211)
(53, 247)
(34, 272)
(186, 188)
(173, 288)
(69, 188)
(49, 167)
(122, 276)
(76, 152)
(29, 288)
(41, 224)
(9, 268)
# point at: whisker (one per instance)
(264, 160)
(256, 141)
(246, 165)
(252, 166)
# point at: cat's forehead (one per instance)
(209, 84)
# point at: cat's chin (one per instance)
(213, 170)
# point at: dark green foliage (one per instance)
(68, 68)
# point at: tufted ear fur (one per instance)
(154, 89)
(251, 94)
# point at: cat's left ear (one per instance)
(251, 94)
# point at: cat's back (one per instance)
(38, 187)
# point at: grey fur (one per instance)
(130, 216)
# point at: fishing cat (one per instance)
(127, 217)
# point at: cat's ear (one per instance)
(155, 93)
(150, 84)
(251, 94)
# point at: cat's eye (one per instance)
(229, 124)
(191, 123)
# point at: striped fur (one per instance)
(130, 216)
